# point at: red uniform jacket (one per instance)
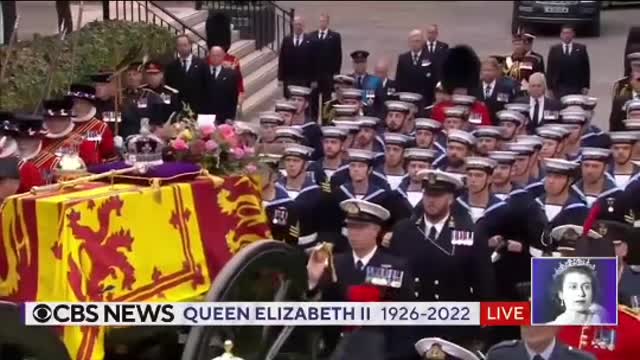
(99, 132)
(607, 342)
(479, 109)
(30, 176)
(234, 62)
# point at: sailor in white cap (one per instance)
(561, 205)
(595, 183)
(513, 122)
(467, 101)
(356, 181)
(429, 135)
(345, 110)
(300, 96)
(351, 127)
(280, 208)
(393, 164)
(592, 136)
(501, 185)
(445, 255)
(269, 121)
(286, 109)
(416, 109)
(333, 138)
(553, 140)
(622, 167)
(460, 144)
(625, 108)
(455, 118)
(523, 164)
(367, 137)
(416, 160)
(397, 113)
(340, 82)
(488, 138)
(289, 135)
(477, 199)
(437, 348)
(575, 121)
(352, 96)
(306, 194)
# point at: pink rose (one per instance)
(207, 129)
(237, 152)
(250, 168)
(249, 151)
(227, 131)
(211, 146)
(179, 144)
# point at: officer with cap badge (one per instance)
(595, 184)
(416, 160)
(429, 135)
(154, 81)
(392, 166)
(513, 123)
(83, 97)
(440, 349)
(613, 237)
(396, 116)
(333, 138)
(621, 166)
(537, 342)
(560, 205)
(449, 259)
(279, 207)
(365, 267)
(305, 193)
(20, 135)
(488, 138)
(300, 96)
(371, 85)
(456, 118)
(460, 144)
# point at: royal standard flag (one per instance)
(124, 243)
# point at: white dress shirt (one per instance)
(365, 259)
(566, 48)
(546, 354)
(532, 104)
(297, 40)
(215, 71)
(439, 225)
(415, 56)
(431, 46)
(492, 87)
(322, 34)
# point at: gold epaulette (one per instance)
(629, 311)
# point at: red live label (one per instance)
(505, 313)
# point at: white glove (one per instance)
(117, 140)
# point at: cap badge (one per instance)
(610, 202)
(432, 179)
(352, 209)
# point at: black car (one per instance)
(578, 13)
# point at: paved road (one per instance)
(382, 28)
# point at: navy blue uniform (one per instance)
(574, 212)
(323, 176)
(313, 135)
(307, 202)
(341, 176)
(610, 190)
(282, 215)
(594, 137)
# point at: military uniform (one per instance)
(414, 197)
(168, 95)
(394, 139)
(461, 137)
(310, 129)
(628, 138)
(609, 186)
(19, 125)
(322, 174)
(516, 350)
(280, 210)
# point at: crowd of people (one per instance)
(455, 173)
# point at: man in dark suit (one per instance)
(568, 68)
(297, 64)
(495, 91)
(540, 105)
(187, 74)
(618, 111)
(328, 55)
(416, 71)
(436, 49)
(221, 84)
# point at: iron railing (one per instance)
(264, 21)
(151, 13)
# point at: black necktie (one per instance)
(431, 48)
(360, 81)
(184, 65)
(487, 91)
(322, 35)
(536, 111)
(433, 233)
(538, 357)
(359, 265)
(415, 59)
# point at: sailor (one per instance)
(474, 117)
(392, 166)
(364, 268)
(85, 119)
(537, 142)
(286, 109)
(521, 175)
(286, 135)
(333, 138)
(593, 136)
(17, 131)
(559, 204)
(278, 206)
(269, 121)
(634, 126)
(460, 144)
(477, 200)
(62, 138)
(416, 109)
(367, 137)
(416, 160)
(154, 81)
(621, 166)
(456, 118)
(450, 261)
(538, 342)
(513, 123)
(305, 193)
(575, 121)
(437, 348)
(396, 116)
(247, 134)
(429, 135)
(351, 127)
(488, 138)
(595, 184)
(350, 97)
(300, 96)
(553, 141)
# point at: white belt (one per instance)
(343, 231)
(535, 252)
(307, 239)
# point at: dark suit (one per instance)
(419, 78)
(438, 55)
(221, 97)
(502, 92)
(297, 64)
(328, 57)
(568, 74)
(548, 105)
(618, 115)
(191, 85)
(515, 350)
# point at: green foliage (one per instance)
(100, 45)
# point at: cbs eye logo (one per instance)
(42, 313)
